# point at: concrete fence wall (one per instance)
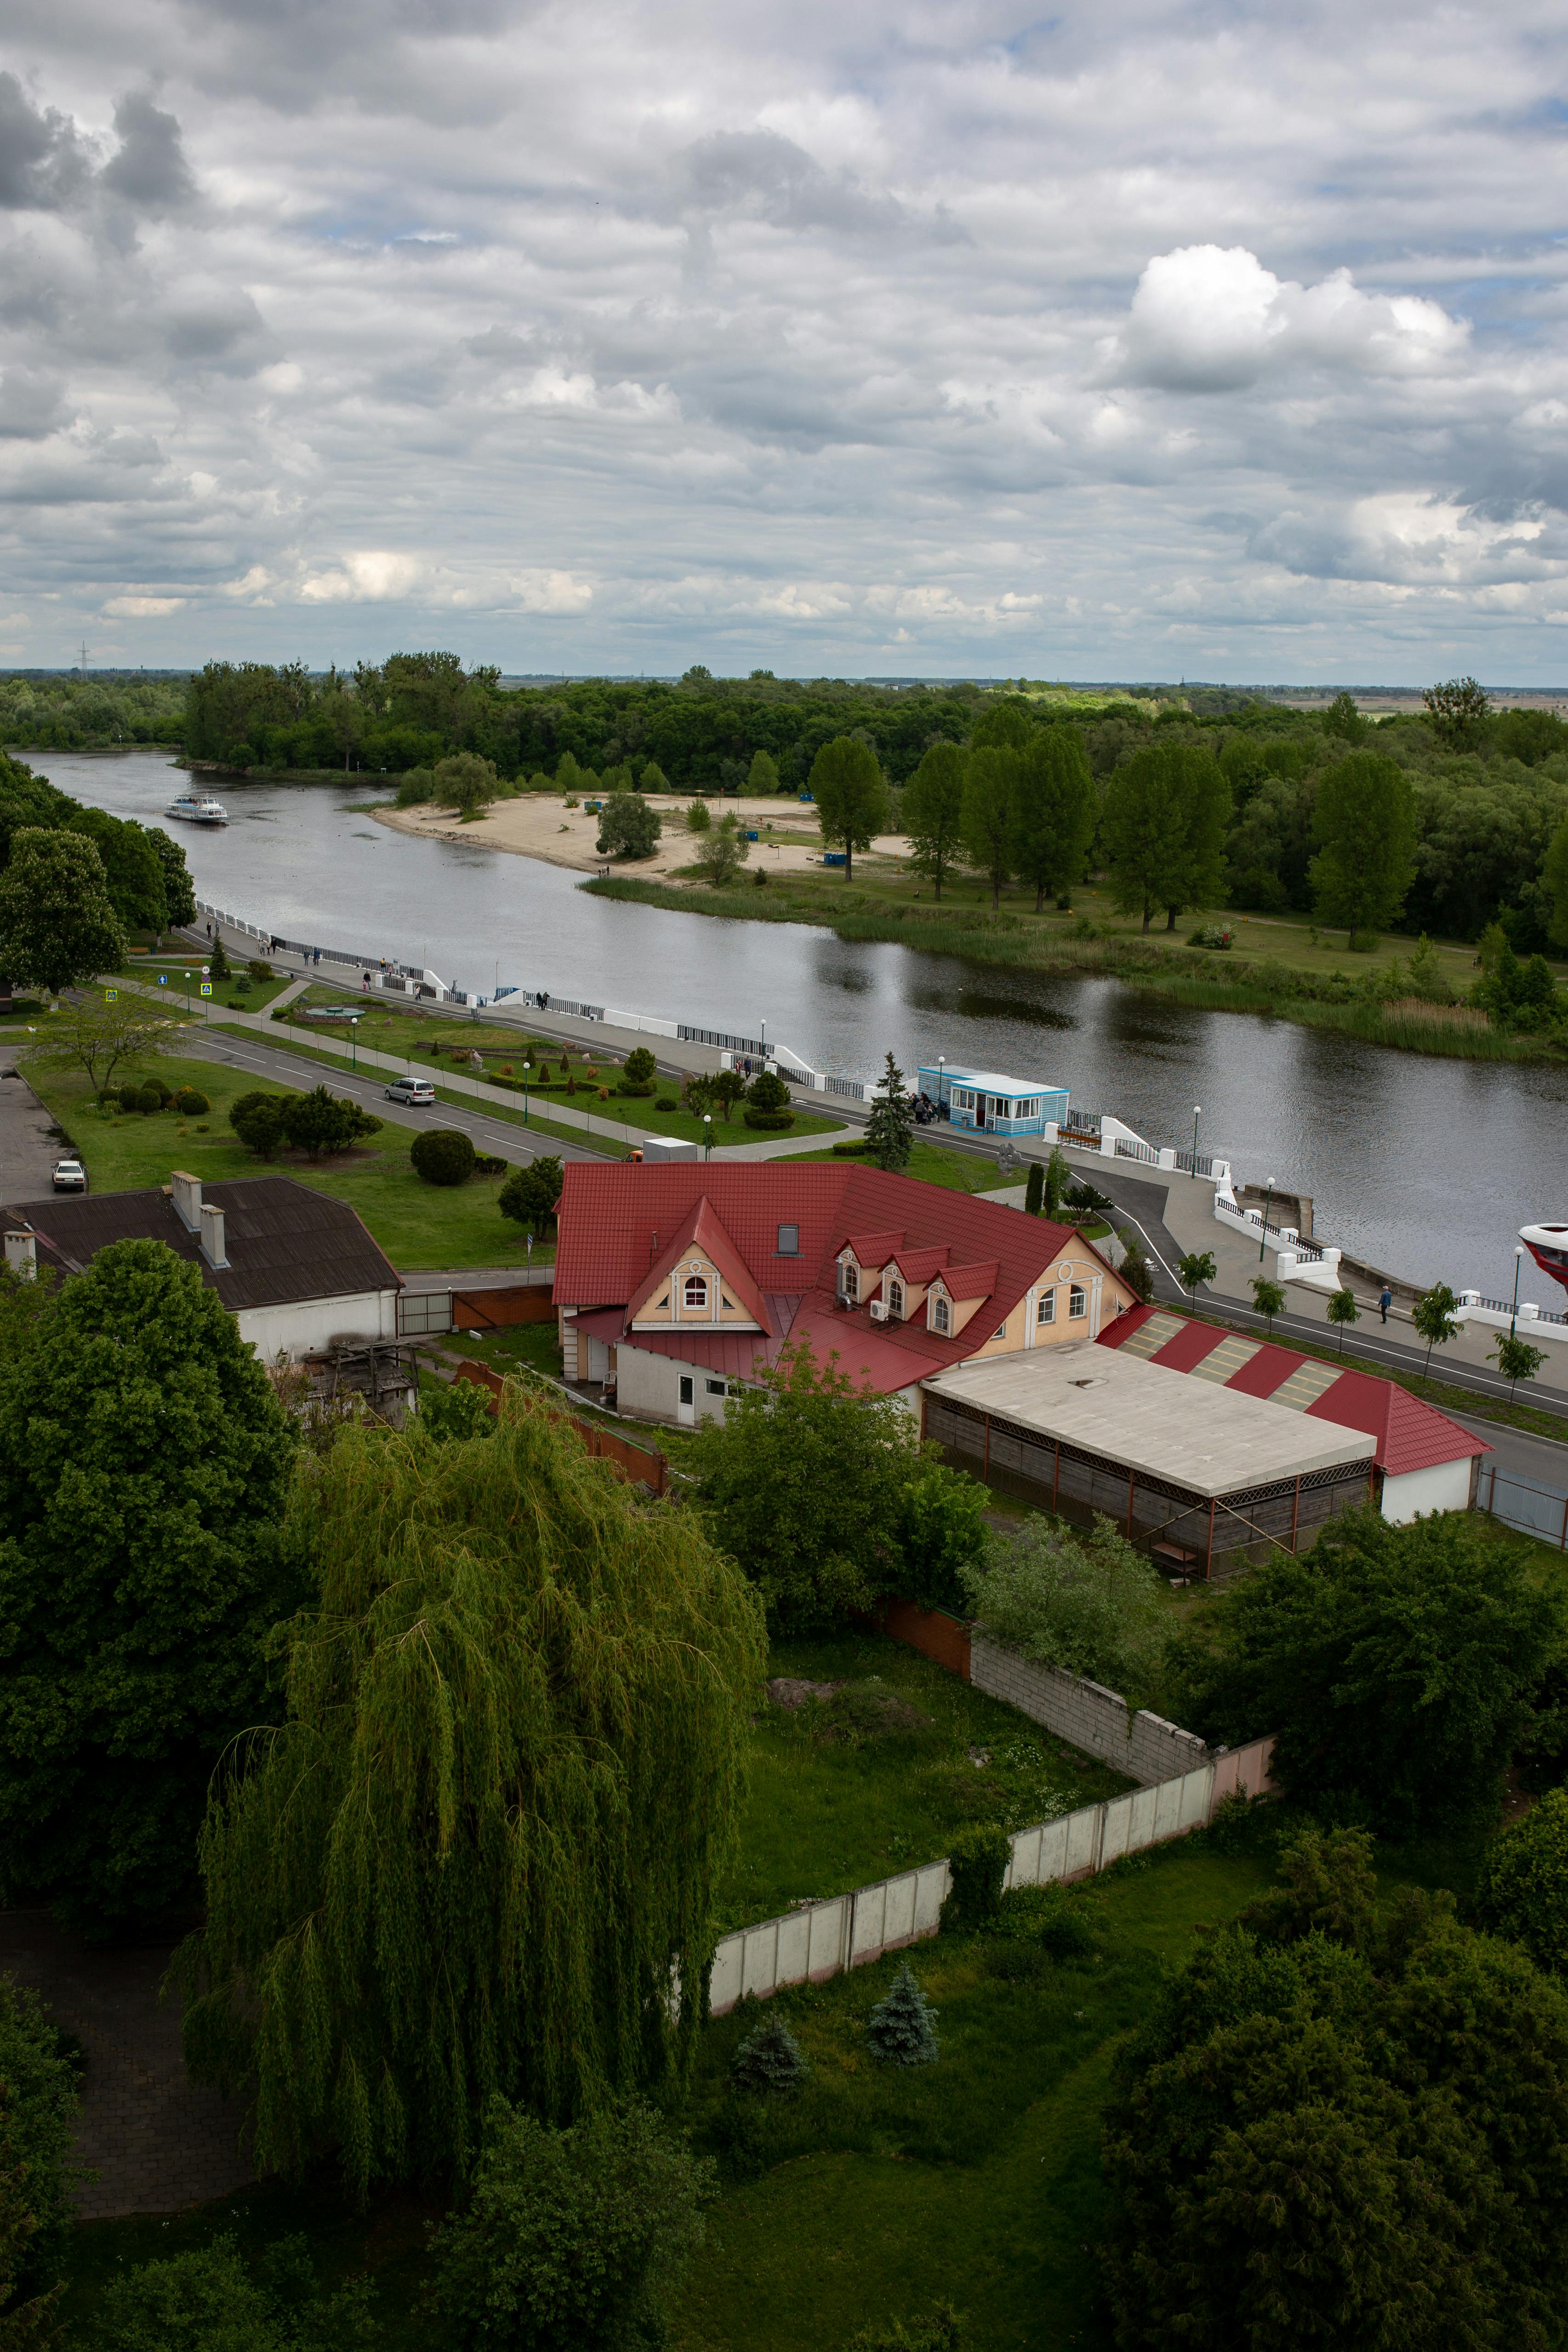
(1145, 1747)
(821, 1940)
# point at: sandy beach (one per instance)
(538, 825)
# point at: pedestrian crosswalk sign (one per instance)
(206, 988)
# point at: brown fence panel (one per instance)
(930, 1631)
(493, 1310)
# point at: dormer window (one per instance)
(895, 1301)
(941, 1316)
(694, 1296)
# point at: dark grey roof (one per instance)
(283, 1240)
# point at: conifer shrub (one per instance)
(903, 2027)
(769, 2059)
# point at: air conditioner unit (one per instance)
(879, 1310)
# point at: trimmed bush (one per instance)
(666, 1102)
(487, 1163)
(149, 1100)
(976, 1866)
(190, 1104)
(443, 1155)
(769, 1122)
(851, 1150)
(259, 969)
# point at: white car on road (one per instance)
(71, 1176)
(410, 1090)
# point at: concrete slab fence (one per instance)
(821, 1940)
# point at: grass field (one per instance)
(417, 1224)
(957, 1171)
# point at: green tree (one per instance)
(1555, 875)
(990, 806)
(1343, 719)
(890, 1129)
(39, 2086)
(218, 966)
(698, 817)
(97, 1036)
(932, 813)
(1198, 1266)
(764, 774)
(940, 1531)
(572, 2241)
(1268, 1298)
(1516, 1359)
(1436, 1318)
(1396, 1666)
(58, 926)
(466, 783)
(801, 1483)
(133, 871)
(722, 851)
(442, 1155)
(1055, 807)
(1003, 726)
(628, 827)
(847, 784)
(496, 1813)
(653, 779)
(532, 1195)
(1458, 711)
(729, 1086)
(260, 1119)
(770, 2058)
(322, 1122)
(1141, 826)
(1034, 1190)
(1522, 1888)
(642, 1070)
(1093, 1606)
(903, 2027)
(179, 891)
(1058, 1176)
(1136, 1269)
(1342, 1311)
(1365, 826)
(208, 2300)
(143, 1466)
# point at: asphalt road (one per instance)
(284, 1069)
(28, 1144)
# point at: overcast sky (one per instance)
(1135, 340)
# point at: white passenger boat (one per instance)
(198, 809)
(1548, 1246)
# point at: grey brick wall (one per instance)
(1086, 1715)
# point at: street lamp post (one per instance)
(1268, 1204)
(1196, 1115)
(1513, 1318)
(941, 1079)
(353, 1041)
(707, 1133)
(526, 1068)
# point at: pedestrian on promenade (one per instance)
(1386, 1301)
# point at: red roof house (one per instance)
(674, 1280)
(1425, 1460)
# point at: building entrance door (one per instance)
(688, 1406)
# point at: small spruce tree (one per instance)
(1034, 1191)
(902, 2028)
(890, 1130)
(769, 2059)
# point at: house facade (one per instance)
(675, 1284)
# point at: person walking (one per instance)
(1385, 1300)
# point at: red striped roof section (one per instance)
(1407, 1434)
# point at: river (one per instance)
(1423, 1165)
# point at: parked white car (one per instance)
(410, 1090)
(71, 1176)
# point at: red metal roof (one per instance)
(617, 1220)
(702, 1232)
(969, 1281)
(1408, 1434)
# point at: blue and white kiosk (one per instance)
(986, 1099)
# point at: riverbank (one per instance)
(1195, 977)
(544, 825)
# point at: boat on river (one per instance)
(1548, 1246)
(198, 808)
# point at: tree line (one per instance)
(75, 881)
(53, 711)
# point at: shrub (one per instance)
(530, 1194)
(851, 1150)
(941, 2331)
(666, 1102)
(977, 1865)
(769, 2059)
(241, 755)
(941, 1530)
(1092, 1606)
(571, 2238)
(191, 1104)
(242, 984)
(642, 1070)
(903, 2027)
(1047, 1916)
(320, 1121)
(769, 1122)
(257, 1119)
(149, 1098)
(1524, 1888)
(207, 2301)
(1034, 1190)
(37, 2106)
(768, 1091)
(698, 817)
(487, 1163)
(443, 1155)
(259, 969)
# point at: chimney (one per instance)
(22, 1254)
(186, 1191)
(213, 1247)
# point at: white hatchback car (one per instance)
(410, 1090)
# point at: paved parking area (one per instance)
(28, 1150)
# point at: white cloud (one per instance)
(549, 592)
(143, 608)
(375, 576)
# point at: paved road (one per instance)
(28, 1144)
(284, 1069)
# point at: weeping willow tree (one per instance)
(482, 1846)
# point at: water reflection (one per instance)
(1424, 1165)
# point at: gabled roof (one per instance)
(871, 1249)
(969, 1281)
(1407, 1434)
(284, 1240)
(702, 1231)
(619, 1219)
(920, 1265)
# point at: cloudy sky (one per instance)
(1130, 340)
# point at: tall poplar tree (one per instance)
(851, 796)
(1054, 812)
(990, 799)
(1364, 826)
(1141, 826)
(482, 1852)
(932, 812)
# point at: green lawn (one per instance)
(829, 1810)
(959, 1171)
(176, 970)
(417, 1224)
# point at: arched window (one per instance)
(1077, 1302)
(941, 1316)
(895, 1300)
(851, 1275)
(1045, 1307)
(695, 1292)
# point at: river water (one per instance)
(1422, 1165)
